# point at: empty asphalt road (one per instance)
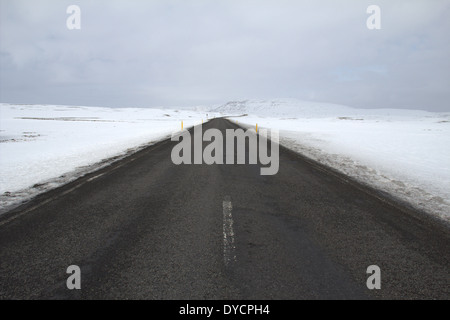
(144, 228)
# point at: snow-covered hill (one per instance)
(293, 108)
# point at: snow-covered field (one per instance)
(403, 152)
(43, 146)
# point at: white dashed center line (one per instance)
(229, 255)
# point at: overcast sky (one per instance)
(202, 52)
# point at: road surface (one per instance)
(144, 228)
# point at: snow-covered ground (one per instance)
(43, 146)
(403, 152)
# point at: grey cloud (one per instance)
(189, 52)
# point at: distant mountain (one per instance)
(284, 108)
(292, 108)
